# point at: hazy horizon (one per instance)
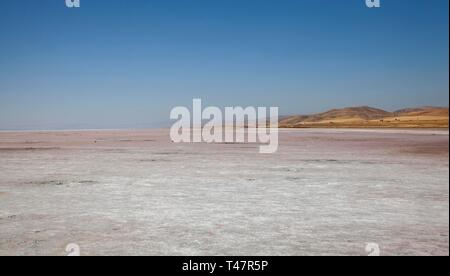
(158, 125)
(124, 64)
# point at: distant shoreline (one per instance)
(367, 127)
(393, 129)
(363, 117)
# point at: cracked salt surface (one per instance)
(325, 192)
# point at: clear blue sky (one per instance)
(126, 63)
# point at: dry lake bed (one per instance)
(325, 192)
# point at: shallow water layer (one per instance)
(325, 192)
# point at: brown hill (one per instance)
(423, 111)
(361, 117)
(350, 113)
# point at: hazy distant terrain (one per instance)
(136, 193)
(368, 117)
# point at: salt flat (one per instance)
(325, 192)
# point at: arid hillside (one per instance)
(362, 117)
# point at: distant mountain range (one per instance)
(369, 117)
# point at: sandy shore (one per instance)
(135, 193)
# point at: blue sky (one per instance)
(126, 63)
